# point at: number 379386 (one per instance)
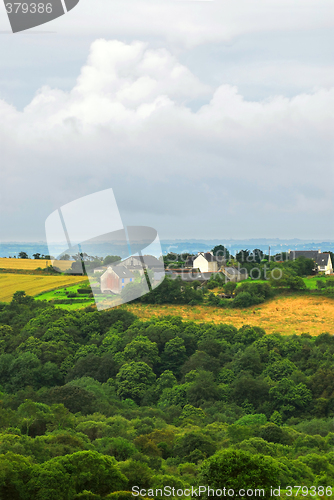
(305, 491)
(32, 8)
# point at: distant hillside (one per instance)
(192, 246)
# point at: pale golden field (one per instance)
(33, 284)
(284, 315)
(32, 264)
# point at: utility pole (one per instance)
(269, 254)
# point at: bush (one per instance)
(320, 284)
(274, 434)
(225, 303)
(70, 301)
(260, 289)
(256, 419)
(120, 448)
(230, 287)
(194, 446)
(120, 495)
(213, 299)
(245, 299)
(238, 469)
(86, 495)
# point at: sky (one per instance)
(208, 119)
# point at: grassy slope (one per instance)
(311, 281)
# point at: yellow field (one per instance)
(285, 315)
(33, 284)
(32, 264)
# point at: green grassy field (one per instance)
(60, 294)
(310, 281)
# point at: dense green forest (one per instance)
(96, 403)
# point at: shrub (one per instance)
(238, 469)
(245, 299)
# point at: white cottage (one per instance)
(206, 262)
(323, 261)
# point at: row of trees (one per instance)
(36, 256)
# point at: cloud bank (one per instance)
(189, 158)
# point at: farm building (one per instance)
(115, 279)
(133, 263)
(234, 274)
(100, 269)
(146, 261)
(149, 262)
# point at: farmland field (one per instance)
(32, 264)
(295, 314)
(60, 294)
(33, 284)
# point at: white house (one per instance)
(322, 260)
(324, 263)
(206, 262)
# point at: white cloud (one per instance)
(190, 23)
(127, 124)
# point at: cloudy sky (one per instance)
(209, 119)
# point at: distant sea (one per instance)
(12, 249)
